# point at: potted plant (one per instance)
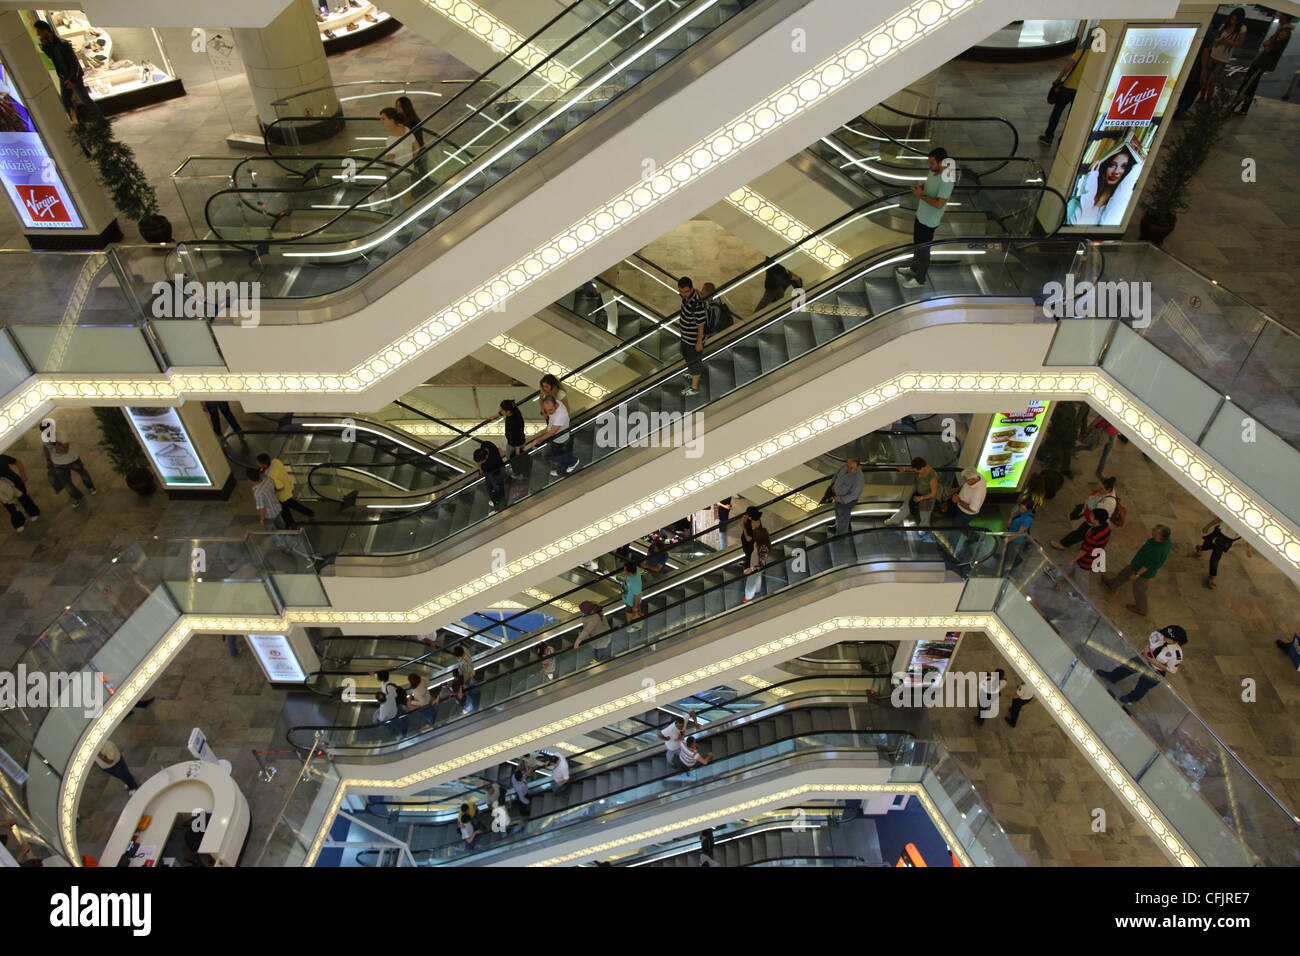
(122, 176)
(1166, 195)
(124, 452)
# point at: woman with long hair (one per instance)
(1227, 41)
(399, 152)
(412, 122)
(1102, 191)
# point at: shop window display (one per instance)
(123, 69)
(345, 24)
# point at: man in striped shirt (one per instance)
(694, 311)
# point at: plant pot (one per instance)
(140, 480)
(156, 229)
(1152, 231)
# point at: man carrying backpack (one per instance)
(719, 318)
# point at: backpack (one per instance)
(400, 693)
(718, 317)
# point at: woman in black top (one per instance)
(515, 439)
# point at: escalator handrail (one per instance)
(934, 117)
(411, 167)
(436, 681)
(732, 337)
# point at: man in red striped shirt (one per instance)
(1092, 548)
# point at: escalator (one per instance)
(478, 137)
(811, 721)
(742, 356)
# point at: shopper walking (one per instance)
(693, 315)
(419, 699)
(11, 496)
(217, 411)
(1226, 43)
(757, 561)
(386, 714)
(562, 459)
(465, 671)
(846, 487)
(72, 78)
(923, 497)
(1018, 527)
(62, 461)
(631, 584)
(1103, 496)
(1217, 542)
(932, 197)
(1163, 655)
(492, 467)
(264, 499)
(514, 423)
(1099, 431)
(1064, 89)
(776, 281)
(594, 625)
(752, 520)
(274, 469)
(990, 692)
(1091, 549)
(967, 498)
(559, 774)
(1266, 61)
(519, 784)
(109, 759)
(689, 755)
(1024, 694)
(672, 737)
(406, 109)
(1141, 570)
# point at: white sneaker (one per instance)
(33, 517)
(20, 529)
(76, 503)
(554, 473)
(911, 283)
(94, 491)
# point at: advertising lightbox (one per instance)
(1137, 97)
(277, 658)
(31, 179)
(168, 445)
(1010, 444)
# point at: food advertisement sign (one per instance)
(30, 178)
(169, 447)
(1010, 444)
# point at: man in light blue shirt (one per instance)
(932, 197)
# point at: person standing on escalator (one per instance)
(775, 283)
(492, 468)
(694, 315)
(932, 197)
(274, 469)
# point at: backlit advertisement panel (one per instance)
(1009, 446)
(31, 180)
(1137, 96)
(169, 446)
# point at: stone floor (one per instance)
(1040, 789)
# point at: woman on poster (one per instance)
(1104, 188)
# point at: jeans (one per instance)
(692, 355)
(65, 473)
(1064, 97)
(561, 457)
(1075, 536)
(1016, 704)
(217, 411)
(921, 233)
(673, 762)
(843, 516)
(288, 506)
(496, 482)
(1105, 453)
(232, 644)
(1144, 684)
(753, 581)
(428, 713)
(961, 519)
(123, 773)
(1246, 92)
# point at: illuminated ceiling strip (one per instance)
(779, 488)
(482, 25)
(418, 428)
(781, 797)
(1117, 408)
(541, 595)
(889, 39)
(529, 356)
(1093, 748)
(761, 684)
(768, 214)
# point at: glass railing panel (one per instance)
(1257, 456)
(13, 370)
(1268, 381)
(187, 343)
(302, 815)
(1156, 378)
(1078, 341)
(1192, 817)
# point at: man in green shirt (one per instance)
(932, 197)
(1143, 567)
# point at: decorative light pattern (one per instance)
(562, 604)
(830, 308)
(530, 356)
(420, 428)
(799, 499)
(889, 39)
(476, 21)
(767, 213)
(761, 684)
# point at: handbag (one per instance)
(829, 496)
(1120, 515)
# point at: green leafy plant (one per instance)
(1166, 195)
(119, 442)
(121, 175)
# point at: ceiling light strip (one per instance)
(791, 230)
(779, 488)
(501, 37)
(529, 356)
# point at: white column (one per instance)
(284, 58)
